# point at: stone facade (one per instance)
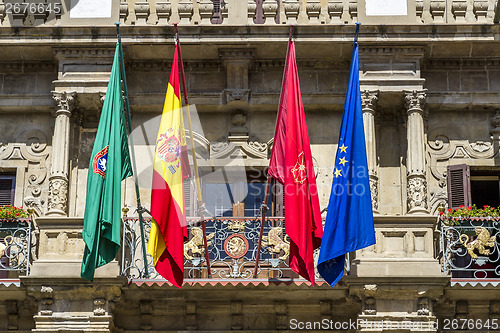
(430, 91)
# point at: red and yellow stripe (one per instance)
(168, 228)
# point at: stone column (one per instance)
(415, 160)
(58, 180)
(369, 101)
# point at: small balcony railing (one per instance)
(15, 247)
(471, 247)
(232, 247)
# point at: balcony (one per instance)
(232, 246)
(250, 12)
(15, 247)
(470, 247)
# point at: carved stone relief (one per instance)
(29, 152)
(440, 150)
(417, 194)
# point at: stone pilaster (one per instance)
(415, 160)
(58, 180)
(369, 101)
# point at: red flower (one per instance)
(450, 210)
(485, 206)
(17, 214)
(441, 213)
(462, 206)
(469, 208)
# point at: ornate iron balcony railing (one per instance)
(232, 246)
(15, 247)
(471, 247)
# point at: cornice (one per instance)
(461, 63)
(28, 66)
(83, 52)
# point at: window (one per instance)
(237, 195)
(473, 186)
(469, 186)
(7, 187)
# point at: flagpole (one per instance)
(140, 209)
(193, 152)
(264, 208)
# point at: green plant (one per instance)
(452, 215)
(12, 212)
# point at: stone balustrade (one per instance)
(260, 12)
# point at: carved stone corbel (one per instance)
(237, 63)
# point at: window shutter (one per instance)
(7, 186)
(458, 178)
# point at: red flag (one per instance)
(168, 227)
(291, 164)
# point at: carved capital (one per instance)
(369, 100)
(415, 100)
(417, 194)
(65, 102)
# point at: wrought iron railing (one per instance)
(232, 247)
(471, 247)
(15, 247)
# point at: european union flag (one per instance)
(349, 220)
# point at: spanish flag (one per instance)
(168, 227)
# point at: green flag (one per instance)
(109, 165)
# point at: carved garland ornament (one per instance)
(58, 190)
(417, 189)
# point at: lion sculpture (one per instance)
(196, 242)
(482, 240)
(275, 244)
